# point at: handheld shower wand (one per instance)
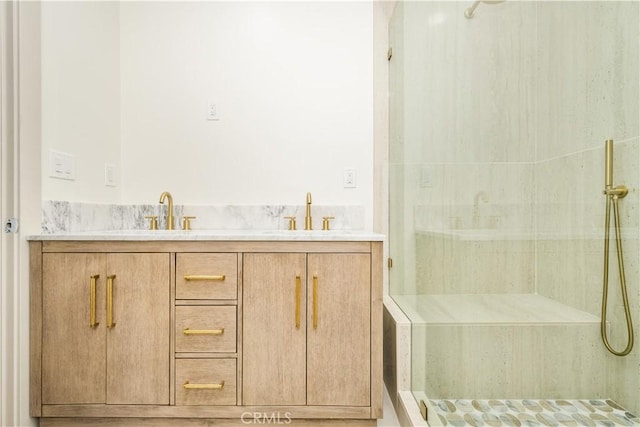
(620, 191)
(614, 194)
(608, 164)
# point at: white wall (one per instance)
(293, 83)
(80, 96)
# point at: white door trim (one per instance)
(9, 243)
(27, 185)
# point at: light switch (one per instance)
(62, 165)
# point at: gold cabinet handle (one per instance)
(315, 302)
(110, 322)
(188, 386)
(204, 277)
(298, 292)
(92, 302)
(188, 331)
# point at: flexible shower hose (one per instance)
(613, 199)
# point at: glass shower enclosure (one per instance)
(498, 125)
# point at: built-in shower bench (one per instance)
(483, 309)
(523, 346)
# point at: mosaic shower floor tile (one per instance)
(531, 412)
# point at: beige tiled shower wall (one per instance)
(508, 360)
(461, 266)
(588, 91)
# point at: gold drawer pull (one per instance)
(188, 386)
(204, 277)
(188, 331)
(92, 302)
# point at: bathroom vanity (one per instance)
(223, 328)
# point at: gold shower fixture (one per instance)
(614, 194)
(468, 13)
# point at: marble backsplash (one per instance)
(63, 216)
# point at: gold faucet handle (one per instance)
(186, 222)
(292, 222)
(325, 222)
(153, 222)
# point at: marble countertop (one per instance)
(215, 235)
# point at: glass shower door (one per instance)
(497, 129)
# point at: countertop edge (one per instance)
(214, 236)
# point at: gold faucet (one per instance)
(307, 218)
(167, 195)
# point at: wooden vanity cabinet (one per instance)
(206, 332)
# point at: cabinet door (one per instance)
(73, 362)
(338, 330)
(274, 347)
(138, 344)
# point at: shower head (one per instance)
(468, 13)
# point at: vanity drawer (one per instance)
(206, 329)
(207, 276)
(205, 381)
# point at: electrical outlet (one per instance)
(349, 178)
(110, 175)
(212, 111)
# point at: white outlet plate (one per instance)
(212, 111)
(110, 175)
(62, 165)
(349, 179)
